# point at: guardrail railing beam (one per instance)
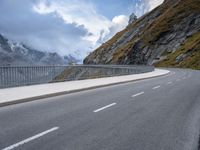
(12, 76)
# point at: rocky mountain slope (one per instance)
(19, 54)
(169, 35)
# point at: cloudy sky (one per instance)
(67, 26)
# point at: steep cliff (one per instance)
(155, 37)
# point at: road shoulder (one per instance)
(17, 95)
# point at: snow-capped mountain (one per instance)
(13, 54)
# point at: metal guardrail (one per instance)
(30, 75)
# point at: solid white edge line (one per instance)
(102, 108)
(156, 87)
(30, 139)
(138, 94)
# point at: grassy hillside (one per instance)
(188, 53)
(171, 30)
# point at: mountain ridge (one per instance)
(13, 53)
(152, 37)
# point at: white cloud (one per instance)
(118, 23)
(84, 14)
(79, 13)
(144, 6)
(121, 21)
(153, 3)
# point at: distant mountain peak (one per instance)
(132, 18)
(13, 53)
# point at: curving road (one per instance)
(162, 113)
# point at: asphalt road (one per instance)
(162, 113)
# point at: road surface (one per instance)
(162, 113)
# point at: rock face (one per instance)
(161, 32)
(19, 54)
(132, 18)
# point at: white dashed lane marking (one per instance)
(30, 139)
(169, 83)
(138, 94)
(102, 108)
(156, 87)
